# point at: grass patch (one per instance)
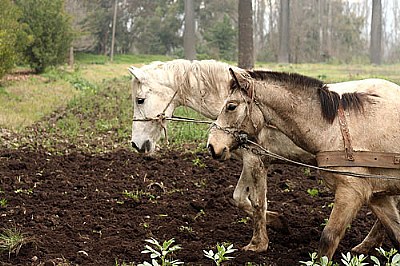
(25, 102)
(85, 58)
(11, 241)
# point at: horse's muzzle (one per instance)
(220, 155)
(146, 146)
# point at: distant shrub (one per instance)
(11, 35)
(49, 26)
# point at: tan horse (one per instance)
(203, 86)
(305, 110)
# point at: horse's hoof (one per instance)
(279, 224)
(256, 248)
(361, 249)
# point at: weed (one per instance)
(220, 255)
(244, 220)
(124, 263)
(307, 171)
(24, 191)
(313, 192)
(11, 240)
(186, 229)
(199, 214)
(160, 253)
(3, 203)
(198, 162)
(137, 195)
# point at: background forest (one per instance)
(320, 30)
(287, 31)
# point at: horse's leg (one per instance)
(250, 195)
(245, 186)
(374, 239)
(386, 210)
(348, 202)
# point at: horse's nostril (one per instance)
(134, 146)
(146, 145)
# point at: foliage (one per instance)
(160, 253)
(12, 37)
(52, 35)
(392, 257)
(222, 35)
(220, 256)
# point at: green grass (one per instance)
(11, 241)
(95, 100)
(85, 58)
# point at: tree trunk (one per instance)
(189, 38)
(71, 57)
(246, 48)
(284, 32)
(113, 30)
(376, 32)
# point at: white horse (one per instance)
(351, 126)
(203, 85)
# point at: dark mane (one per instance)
(329, 100)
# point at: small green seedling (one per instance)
(349, 260)
(198, 162)
(313, 192)
(392, 257)
(220, 255)
(3, 203)
(244, 220)
(307, 172)
(323, 261)
(160, 254)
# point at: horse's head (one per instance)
(152, 101)
(239, 117)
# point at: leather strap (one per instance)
(360, 159)
(348, 149)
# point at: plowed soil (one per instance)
(72, 208)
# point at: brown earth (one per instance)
(72, 209)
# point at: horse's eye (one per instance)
(231, 106)
(140, 100)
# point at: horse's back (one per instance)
(381, 87)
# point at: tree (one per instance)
(52, 35)
(221, 41)
(12, 38)
(246, 49)
(189, 38)
(283, 55)
(376, 32)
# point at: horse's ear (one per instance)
(245, 87)
(234, 77)
(137, 73)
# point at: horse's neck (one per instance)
(297, 116)
(204, 96)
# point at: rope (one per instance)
(175, 118)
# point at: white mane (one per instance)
(186, 75)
